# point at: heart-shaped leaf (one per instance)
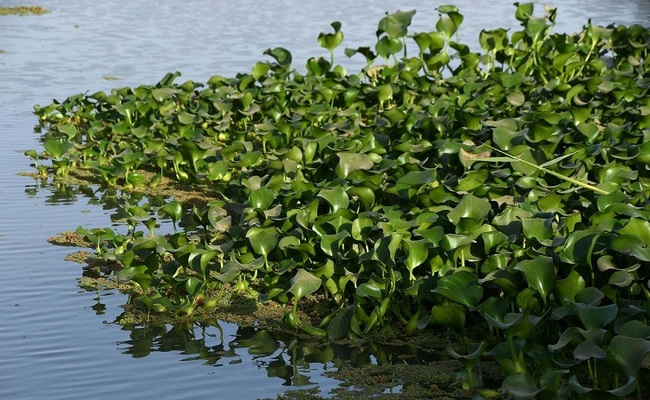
(262, 240)
(349, 162)
(462, 287)
(520, 386)
(303, 284)
(539, 273)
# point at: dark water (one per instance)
(58, 341)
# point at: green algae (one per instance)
(23, 10)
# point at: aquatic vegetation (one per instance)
(499, 196)
(23, 10)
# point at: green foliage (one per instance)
(501, 196)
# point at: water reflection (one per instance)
(283, 355)
(114, 202)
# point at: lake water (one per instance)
(60, 342)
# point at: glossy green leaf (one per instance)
(349, 162)
(395, 25)
(262, 240)
(261, 198)
(417, 253)
(336, 197)
(539, 273)
(330, 41)
(303, 283)
(56, 148)
(461, 287)
(568, 287)
(369, 289)
(281, 55)
(470, 207)
(387, 46)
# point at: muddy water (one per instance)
(60, 342)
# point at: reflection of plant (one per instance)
(502, 196)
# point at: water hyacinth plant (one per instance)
(499, 195)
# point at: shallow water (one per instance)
(60, 342)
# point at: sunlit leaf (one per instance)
(349, 162)
(57, 148)
(336, 197)
(470, 207)
(262, 240)
(303, 284)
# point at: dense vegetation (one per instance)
(501, 196)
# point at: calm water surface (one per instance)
(60, 342)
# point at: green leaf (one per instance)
(579, 247)
(448, 24)
(587, 350)
(369, 289)
(417, 253)
(349, 162)
(524, 11)
(462, 287)
(395, 25)
(470, 206)
(365, 195)
(635, 329)
(260, 69)
(568, 287)
(595, 316)
(516, 98)
(330, 41)
(621, 279)
(330, 243)
(57, 148)
(339, 326)
(261, 198)
(193, 285)
(626, 354)
(162, 94)
(613, 394)
(450, 315)
(384, 93)
(520, 386)
(494, 312)
(387, 46)
(281, 55)
(262, 240)
(414, 180)
(638, 228)
(173, 210)
(303, 284)
(336, 197)
(539, 273)
(475, 350)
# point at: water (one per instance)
(58, 341)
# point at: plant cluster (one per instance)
(502, 196)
